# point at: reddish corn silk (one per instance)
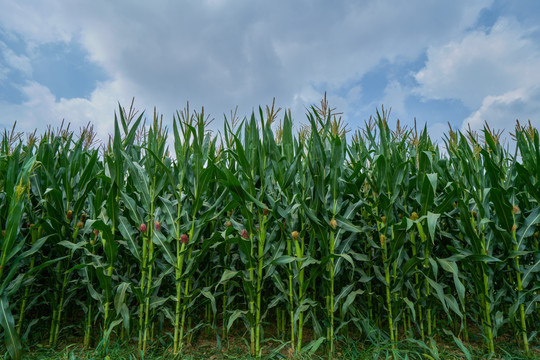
(245, 234)
(143, 228)
(157, 225)
(80, 225)
(96, 232)
(184, 239)
(69, 214)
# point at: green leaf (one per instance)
(439, 291)
(36, 246)
(120, 296)
(284, 259)
(452, 268)
(427, 193)
(13, 343)
(313, 346)
(160, 240)
(227, 275)
(527, 229)
(432, 220)
(350, 299)
(129, 234)
(529, 270)
(503, 209)
(348, 226)
(235, 315)
(344, 292)
(207, 294)
(459, 344)
(411, 307)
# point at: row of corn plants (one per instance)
(300, 237)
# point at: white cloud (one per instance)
(38, 22)
(494, 73)
(244, 53)
(395, 95)
(502, 111)
(42, 104)
(14, 61)
(481, 64)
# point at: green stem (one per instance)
(262, 239)
(60, 307)
(53, 322)
(331, 299)
(522, 310)
(180, 247)
(417, 283)
(251, 299)
(34, 235)
(55, 305)
(300, 255)
(107, 304)
(225, 289)
(388, 295)
(464, 322)
(291, 296)
(63, 293)
(186, 291)
(425, 243)
(88, 331)
(487, 315)
(143, 279)
(520, 291)
(150, 260)
(487, 307)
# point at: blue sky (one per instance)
(458, 62)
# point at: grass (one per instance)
(205, 346)
(349, 349)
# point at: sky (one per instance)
(455, 62)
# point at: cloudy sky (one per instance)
(459, 62)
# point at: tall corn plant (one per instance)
(528, 235)
(250, 187)
(325, 161)
(150, 178)
(190, 212)
(474, 215)
(107, 221)
(18, 168)
(513, 228)
(386, 179)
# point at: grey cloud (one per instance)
(223, 54)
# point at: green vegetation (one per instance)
(317, 244)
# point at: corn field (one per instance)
(301, 236)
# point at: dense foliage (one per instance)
(263, 228)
